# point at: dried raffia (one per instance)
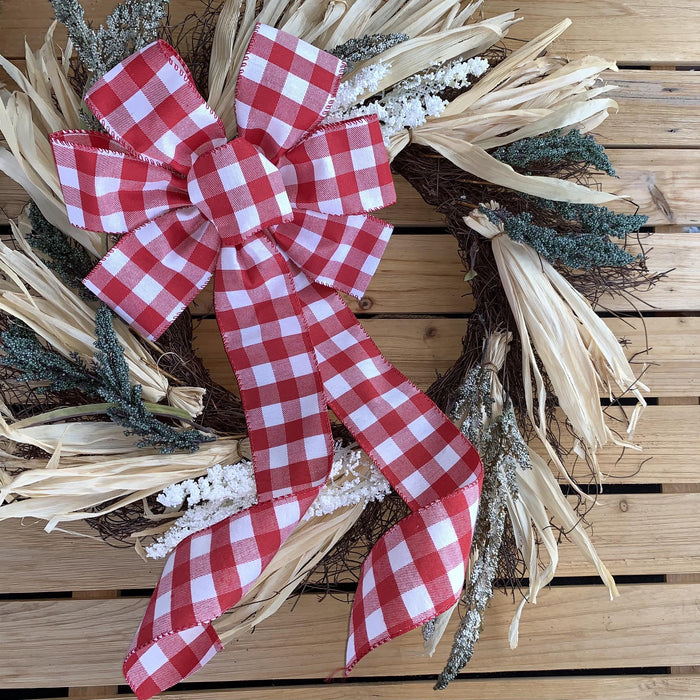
(329, 24)
(27, 117)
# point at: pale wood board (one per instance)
(635, 32)
(422, 347)
(82, 642)
(619, 526)
(638, 32)
(423, 273)
(656, 109)
(593, 687)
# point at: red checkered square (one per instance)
(109, 190)
(207, 574)
(420, 452)
(270, 350)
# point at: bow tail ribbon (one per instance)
(206, 575)
(271, 352)
(416, 571)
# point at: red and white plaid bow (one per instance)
(279, 212)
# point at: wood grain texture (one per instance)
(82, 642)
(619, 526)
(421, 347)
(656, 109)
(631, 32)
(423, 274)
(597, 687)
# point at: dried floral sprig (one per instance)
(556, 147)
(411, 101)
(355, 50)
(226, 490)
(131, 25)
(129, 409)
(107, 378)
(582, 251)
(66, 258)
(503, 451)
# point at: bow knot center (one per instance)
(238, 189)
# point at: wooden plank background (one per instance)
(69, 604)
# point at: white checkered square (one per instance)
(153, 659)
(147, 289)
(202, 588)
(417, 601)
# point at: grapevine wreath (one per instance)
(141, 191)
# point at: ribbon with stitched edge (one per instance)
(280, 215)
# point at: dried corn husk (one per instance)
(65, 488)
(436, 27)
(579, 352)
(67, 323)
(521, 97)
(27, 117)
(475, 160)
(539, 499)
(421, 52)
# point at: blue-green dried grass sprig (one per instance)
(107, 378)
(131, 25)
(587, 249)
(67, 259)
(556, 147)
(355, 50)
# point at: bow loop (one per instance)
(340, 168)
(238, 189)
(342, 252)
(153, 273)
(149, 104)
(109, 190)
(285, 88)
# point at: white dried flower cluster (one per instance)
(226, 490)
(218, 485)
(364, 80)
(360, 484)
(411, 101)
(223, 491)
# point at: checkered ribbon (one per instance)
(279, 214)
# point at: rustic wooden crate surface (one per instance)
(69, 605)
